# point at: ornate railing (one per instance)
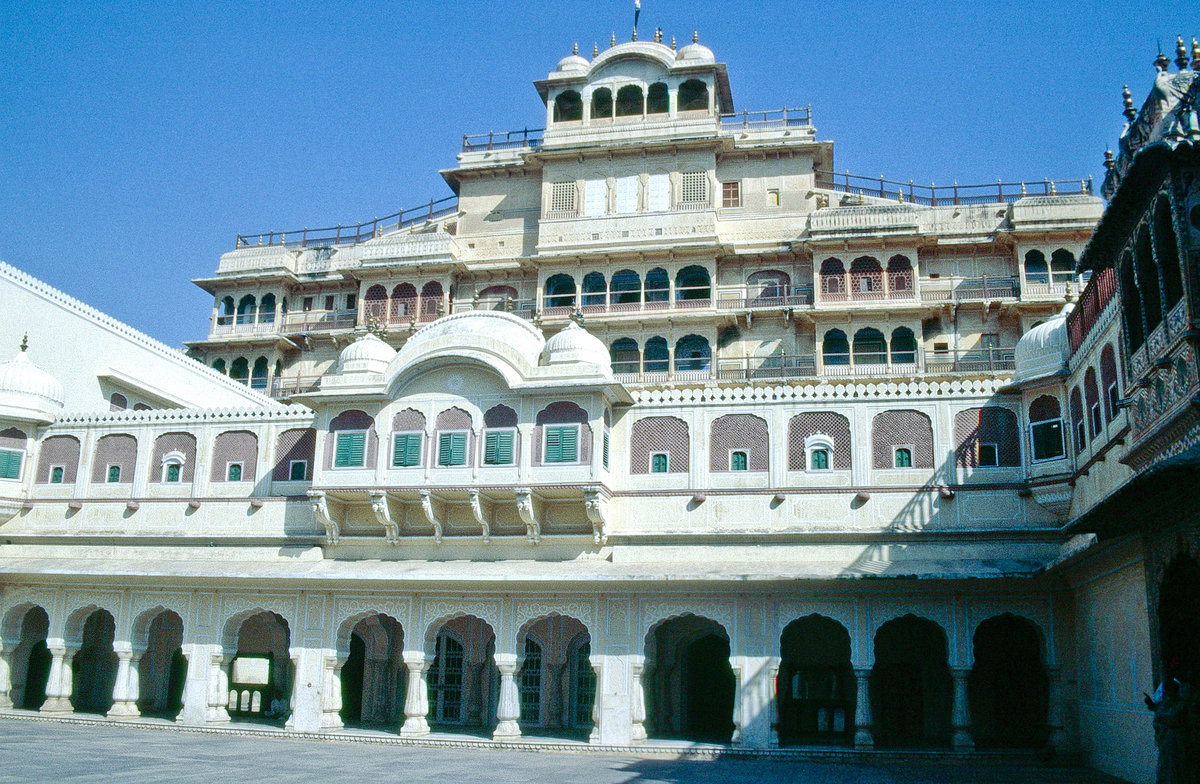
(502, 140)
(355, 232)
(933, 195)
(772, 118)
(1096, 295)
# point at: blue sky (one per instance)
(138, 139)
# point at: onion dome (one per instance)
(572, 63)
(27, 391)
(576, 344)
(368, 354)
(695, 53)
(1044, 350)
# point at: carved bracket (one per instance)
(320, 507)
(9, 508)
(480, 518)
(427, 507)
(596, 504)
(383, 513)
(525, 508)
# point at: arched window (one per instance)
(116, 457)
(902, 457)
(593, 291)
(568, 107)
(630, 101)
(659, 437)
(240, 370)
(258, 376)
(904, 346)
(235, 454)
(1131, 305)
(117, 402)
(58, 459)
(560, 291)
(431, 300)
(1167, 245)
(693, 96)
(602, 103)
(1062, 266)
(903, 429)
(294, 451)
(500, 437)
(624, 356)
(658, 100)
(1077, 421)
(1045, 428)
(657, 358)
(625, 288)
(1036, 270)
(245, 310)
(1108, 379)
(900, 276)
(766, 287)
(266, 309)
(692, 285)
(866, 278)
(833, 280)
(869, 347)
(692, 353)
(657, 288)
(219, 366)
(13, 443)
(225, 311)
(835, 348)
(352, 442)
(404, 302)
(1091, 398)
(561, 435)
(1147, 277)
(375, 303)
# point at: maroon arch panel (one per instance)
(904, 427)
(296, 444)
(353, 420)
(235, 446)
(174, 442)
(826, 423)
(986, 425)
(119, 449)
(62, 451)
(563, 413)
(659, 434)
(738, 432)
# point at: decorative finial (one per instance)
(695, 36)
(672, 43)
(595, 50)
(25, 342)
(1161, 62)
(658, 35)
(612, 41)
(1181, 53)
(575, 49)
(577, 316)
(1130, 112)
(1109, 163)
(634, 38)
(1195, 55)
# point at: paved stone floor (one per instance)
(37, 751)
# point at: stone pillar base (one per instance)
(863, 740)
(124, 711)
(414, 727)
(506, 730)
(57, 706)
(962, 741)
(5, 702)
(216, 715)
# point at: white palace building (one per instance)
(656, 431)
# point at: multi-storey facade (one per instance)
(656, 429)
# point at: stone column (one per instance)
(5, 676)
(961, 714)
(331, 692)
(217, 677)
(125, 691)
(597, 713)
(58, 683)
(508, 709)
(863, 740)
(416, 697)
(773, 685)
(739, 711)
(638, 668)
(1055, 715)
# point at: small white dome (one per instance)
(572, 63)
(27, 391)
(694, 54)
(576, 344)
(1044, 350)
(368, 354)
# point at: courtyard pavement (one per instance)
(44, 751)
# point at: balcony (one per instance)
(771, 297)
(932, 195)
(352, 234)
(956, 290)
(286, 387)
(244, 326)
(319, 321)
(1100, 289)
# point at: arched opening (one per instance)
(556, 689)
(260, 671)
(463, 682)
(1062, 266)
(692, 286)
(560, 291)
(657, 291)
(266, 309)
(869, 347)
(1168, 252)
(260, 373)
(657, 358)
(833, 280)
(625, 288)
(1131, 305)
(162, 668)
(432, 305)
(768, 287)
(373, 678)
(904, 346)
(1036, 270)
(900, 276)
(689, 682)
(692, 353)
(658, 99)
(911, 689)
(594, 292)
(816, 689)
(29, 660)
(568, 107)
(693, 96)
(1045, 428)
(219, 366)
(1091, 398)
(624, 356)
(117, 402)
(240, 370)
(375, 303)
(602, 104)
(94, 665)
(403, 305)
(225, 311)
(835, 348)
(630, 102)
(1008, 688)
(866, 278)
(1179, 620)
(245, 310)
(1147, 277)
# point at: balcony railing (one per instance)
(1100, 289)
(286, 387)
(969, 289)
(932, 195)
(353, 233)
(773, 118)
(503, 140)
(742, 298)
(318, 320)
(242, 325)
(1048, 288)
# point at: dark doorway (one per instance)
(690, 686)
(816, 688)
(1008, 688)
(911, 689)
(352, 680)
(1179, 620)
(94, 667)
(36, 676)
(709, 690)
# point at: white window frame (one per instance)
(20, 463)
(1097, 414)
(979, 445)
(1114, 399)
(704, 198)
(1062, 431)
(366, 445)
(738, 187)
(292, 469)
(421, 452)
(559, 192)
(516, 440)
(578, 444)
(732, 452)
(50, 476)
(171, 458)
(437, 460)
(241, 464)
(812, 444)
(912, 456)
(108, 472)
(666, 455)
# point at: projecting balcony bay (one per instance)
(686, 223)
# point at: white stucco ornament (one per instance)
(368, 354)
(572, 63)
(575, 344)
(27, 392)
(1044, 350)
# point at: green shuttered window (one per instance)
(10, 464)
(498, 448)
(452, 449)
(351, 447)
(406, 450)
(562, 444)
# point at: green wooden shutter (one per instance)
(737, 461)
(458, 449)
(498, 448)
(606, 449)
(10, 464)
(562, 445)
(406, 451)
(444, 449)
(350, 450)
(490, 441)
(658, 464)
(114, 473)
(570, 445)
(553, 445)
